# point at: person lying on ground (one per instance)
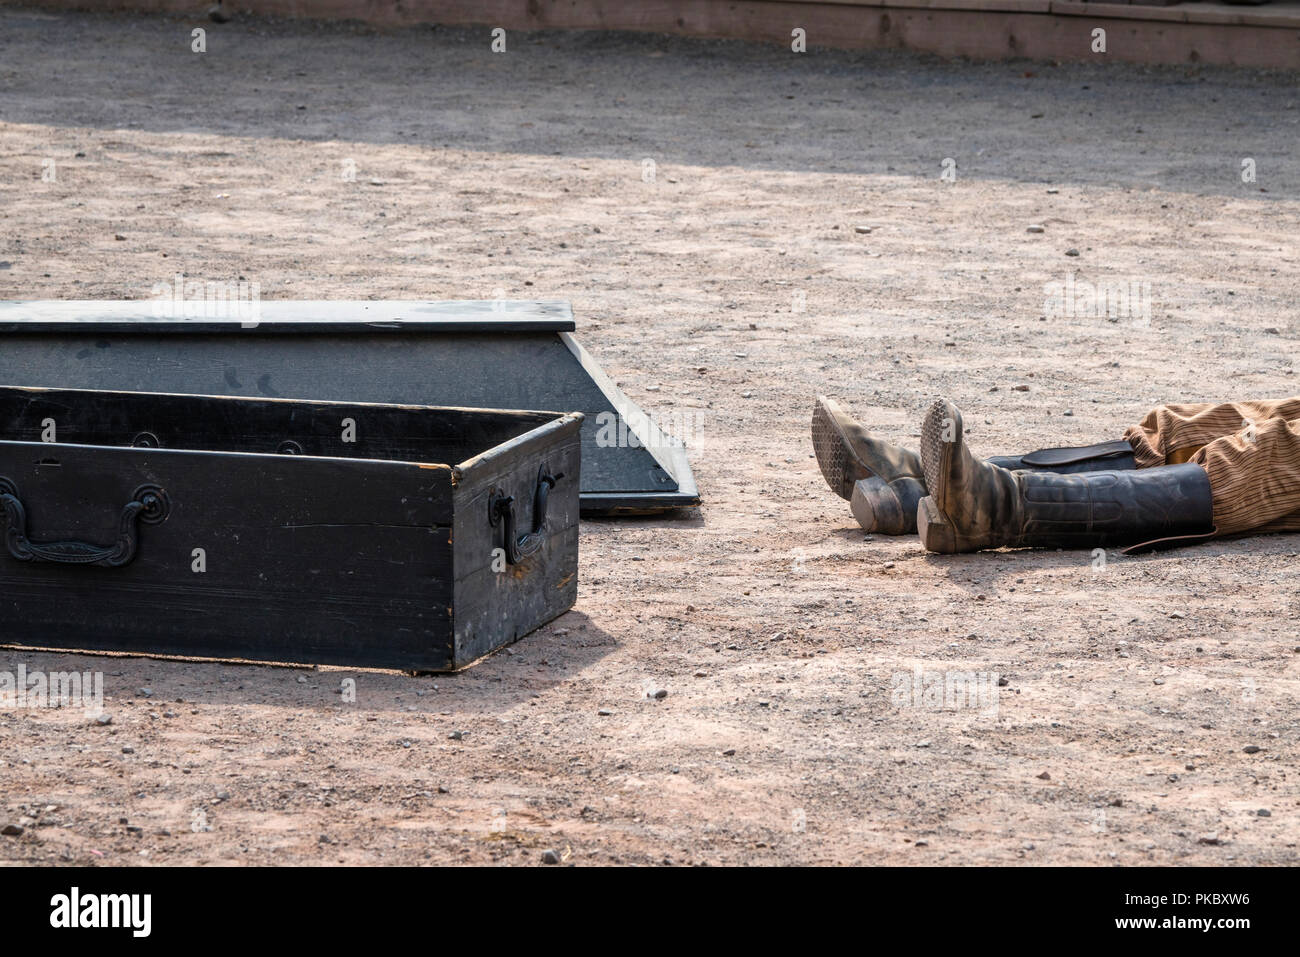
(1186, 473)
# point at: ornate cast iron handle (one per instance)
(148, 504)
(501, 510)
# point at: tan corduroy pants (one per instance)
(1250, 450)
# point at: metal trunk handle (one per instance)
(501, 510)
(148, 504)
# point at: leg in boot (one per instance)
(885, 483)
(846, 452)
(974, 505)
(971, 503)
(881, 480)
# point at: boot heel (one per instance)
(888, 508)
(937, 533)
(876, 507)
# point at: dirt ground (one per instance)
(728, 290)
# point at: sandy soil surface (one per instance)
(729, 291)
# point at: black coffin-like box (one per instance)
(407, 537)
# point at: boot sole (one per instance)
(936, 454)
(936, 531)
(838, 464)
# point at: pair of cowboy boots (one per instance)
(1079, 497)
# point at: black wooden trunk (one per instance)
(282, 530)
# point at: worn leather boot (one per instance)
(885, 483)
(882, 481)
(973, 504)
